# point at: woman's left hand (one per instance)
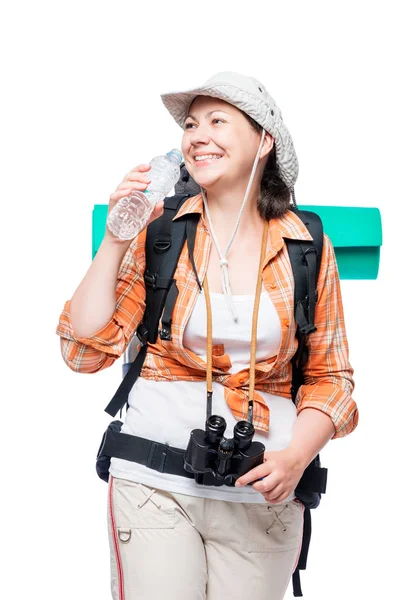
(281, 472)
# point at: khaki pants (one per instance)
(168, 546)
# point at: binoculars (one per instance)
(216, 460)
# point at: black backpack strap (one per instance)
(305, 258)
(121, 395)
(191, 229)
(302, 562)
(166, 320)
(164, 242)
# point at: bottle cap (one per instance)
(176, 152)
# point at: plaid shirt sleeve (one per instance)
(328, 374)
(100, 350)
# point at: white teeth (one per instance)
(207, 157)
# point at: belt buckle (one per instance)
(157, 456)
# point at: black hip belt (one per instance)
(167, 459)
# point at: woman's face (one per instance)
(215, 127)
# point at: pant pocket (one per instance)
(137, 506)
(274, 528)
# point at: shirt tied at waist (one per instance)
(236, 386)
(236, 391)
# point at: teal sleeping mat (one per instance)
(355, 232)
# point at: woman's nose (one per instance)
(200, 136)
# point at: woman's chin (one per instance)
(205, 180)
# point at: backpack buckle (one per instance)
(165, 333)
(150, 279)
(307, 329)
(156, 457)
(142, 334)
(162, 243)
(311, 249)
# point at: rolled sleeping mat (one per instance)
(355, 232)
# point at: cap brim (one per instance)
(178, 103)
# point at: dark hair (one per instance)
(274, 200)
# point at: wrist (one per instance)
(111, 240)
(297, 457)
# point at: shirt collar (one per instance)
(289, 226)
(192, 205)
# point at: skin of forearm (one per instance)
(93, 302)
(311, 432)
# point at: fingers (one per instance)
(135, 179)
(141, 168)
(157, 212)
(276, 497)
(256, 473)
(138, 173)
(135, 176)
(267, 484)
(159, 207)
(125, 188)
(273, 490)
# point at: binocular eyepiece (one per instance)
(243, 432)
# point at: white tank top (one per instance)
(167, 411)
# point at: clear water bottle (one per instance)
(130, 215)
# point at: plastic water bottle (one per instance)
(130, 215)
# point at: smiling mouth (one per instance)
(207, 160)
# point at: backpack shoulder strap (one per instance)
(164, 242)
(305, 258)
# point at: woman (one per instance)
(169, 536)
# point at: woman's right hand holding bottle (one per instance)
(136, 180)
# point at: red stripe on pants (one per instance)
(116, 547)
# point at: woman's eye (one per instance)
(189, 125)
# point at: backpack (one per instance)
(164, 242)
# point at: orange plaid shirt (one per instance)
(328, 374)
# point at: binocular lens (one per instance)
(215, 427)
(243, 433)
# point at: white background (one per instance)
(81, 106)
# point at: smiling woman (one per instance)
(215, 127)
(274, 196)
(228, 356)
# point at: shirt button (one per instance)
(242, 379)
(218, 350)
(286, 322)
(272, 286)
